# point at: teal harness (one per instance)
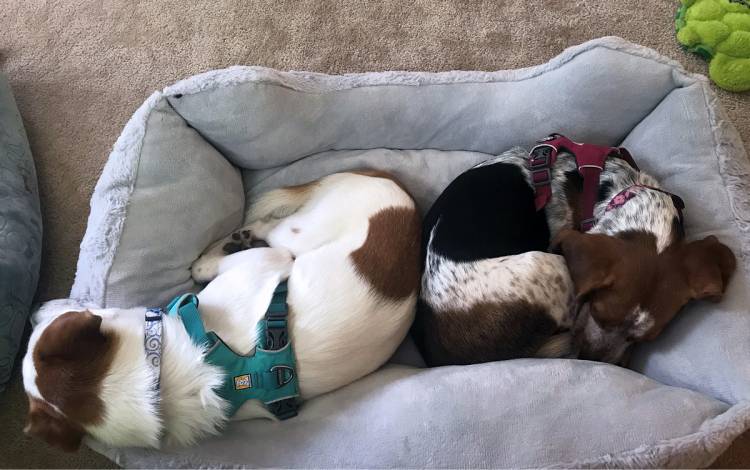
(268, 375)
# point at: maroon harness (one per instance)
(590, 161)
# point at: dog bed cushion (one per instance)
(20, 230)
(192, 155)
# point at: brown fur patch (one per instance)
(615, 275)
(389, 257)
(489, 331)
(71, 358)
(55, 429)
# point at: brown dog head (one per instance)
(63, 372)
(628, 291)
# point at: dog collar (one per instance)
(621, 198)
(152, 343)
(268, 374)
(590, 161)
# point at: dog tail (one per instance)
(280, 203)
(559, 345)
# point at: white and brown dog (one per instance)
(491, 291)
(349, 246)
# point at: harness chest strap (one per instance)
(268, 375)
(590, 160)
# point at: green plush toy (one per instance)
(719, 31)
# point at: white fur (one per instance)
(536, 277)
(341, 329)
(187, 405)
(643, 321)
(344, 337)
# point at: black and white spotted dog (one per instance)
(491, 291)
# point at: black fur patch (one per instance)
(605, 191)
(486, 212)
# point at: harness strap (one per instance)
(186, 307)
(588, 197)
(276, 334)
(268, 375)
(590, 160)
(276, 338)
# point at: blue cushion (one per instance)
(20, 230)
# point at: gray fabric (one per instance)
(286, 128)
(267, 122)
(504, 414)
(175, 211)
(172, 195)
(20, 230)
(424, 172)
(707, 348)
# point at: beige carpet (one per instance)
(80, 68)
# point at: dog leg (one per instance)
(263, 216)
(212, 264)
(270, 208)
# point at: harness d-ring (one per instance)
(280, 369)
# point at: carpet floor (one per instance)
(79, 68)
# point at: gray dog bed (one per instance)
(190, 157)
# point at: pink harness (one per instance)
(590, 161)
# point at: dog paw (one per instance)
(205, 268)
(239, 241)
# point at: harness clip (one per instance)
(276, 334)
(552, 136)
(540, 155)
(283, 409)
(539, 161)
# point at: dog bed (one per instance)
(189, 158)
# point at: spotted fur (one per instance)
(485, 263)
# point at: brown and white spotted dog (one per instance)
(348, 245)
(492, 291)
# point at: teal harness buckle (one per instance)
(268, 375)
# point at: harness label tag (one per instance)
(242, 382)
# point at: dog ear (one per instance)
(708, 264)
(589, 259)
(70, 336)
(71, 358)
(52, 427)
